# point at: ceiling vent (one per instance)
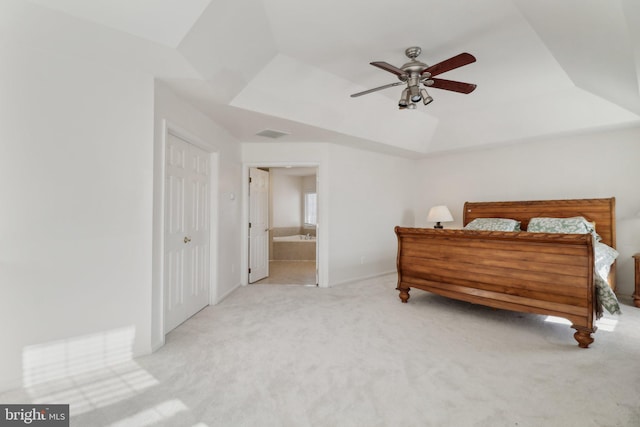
(270, 133)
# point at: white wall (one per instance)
(600, 164)
(76, 150)
(362, 196)
(369, 195)
(226, 196)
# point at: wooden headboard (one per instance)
(600, 211)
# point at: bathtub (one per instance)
(297, 247)
(295, 238)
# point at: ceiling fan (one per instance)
(415, 72)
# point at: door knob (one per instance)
(187, 239)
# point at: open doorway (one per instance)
(292, 227)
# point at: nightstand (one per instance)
(636, 293)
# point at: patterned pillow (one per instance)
(573, 225)
(493, 224)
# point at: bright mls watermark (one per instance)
(34, 415)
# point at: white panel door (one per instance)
(258, 224)
(186, 238)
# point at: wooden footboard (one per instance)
(540, 273)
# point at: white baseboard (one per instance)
(360, 278)
(221, 298)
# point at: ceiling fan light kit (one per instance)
(414, 72)
(404, 99)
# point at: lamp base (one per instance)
(438, 225)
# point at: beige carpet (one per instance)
(353, 355)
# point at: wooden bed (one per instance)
(542, 273)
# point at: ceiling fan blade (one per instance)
(451, 85)
(388, 67)
(376, 89)
(450, 64)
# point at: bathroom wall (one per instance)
(288, 186)
(286, 199)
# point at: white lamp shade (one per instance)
(439, 214)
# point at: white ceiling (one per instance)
(163, 21)
(543, 67)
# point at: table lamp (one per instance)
(439, 214)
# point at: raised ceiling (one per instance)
(543, 67)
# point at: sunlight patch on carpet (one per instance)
(604, 324)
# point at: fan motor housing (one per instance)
(413, 66)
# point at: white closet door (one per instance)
(186, 258)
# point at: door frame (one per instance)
(322, 231)
(159, 170)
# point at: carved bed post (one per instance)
(404, 292)
(584, 330)
(583, 335)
